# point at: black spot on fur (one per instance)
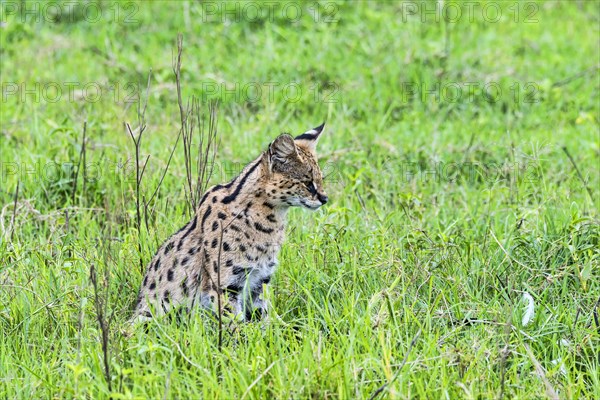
(192, 227)
(175, 261)
(236, 192)
(168, 247)
(235, 228)
(229, 263)
(215, 226)
(184, 286)
(185, 260)
(183, 227)
(239, 270)
(145, 281)
(271, 218)
(214, 243)
(206, 214)
(242, 248)
(166, 295)
(152, 285)
(204, 198)
(226, 246)
(157, 264)
(221, 215)
(179, 245)
(233, 288)
(269, 205)
(214, 199)
(170, 275)
(261, 228)
(233, 296)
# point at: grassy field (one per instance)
(458, 256)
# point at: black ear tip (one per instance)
(319, 128)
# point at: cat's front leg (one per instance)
(260, 304)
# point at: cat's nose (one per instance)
(322, 198)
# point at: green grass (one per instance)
(442, 214)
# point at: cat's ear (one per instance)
(310, 138)
(282, 149)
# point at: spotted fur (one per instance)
(230, 247)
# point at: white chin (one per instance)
(312, 206)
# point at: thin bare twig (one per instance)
(505, 353)
(138, 181)
(550, 392)
(578, 173)
(14, 216)
(142, 112)
(81, 158)
(165, 170)
(191, 122)
(139, 174)
(575, 76)
(99, 304)
(177, 72)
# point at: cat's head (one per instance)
(295, 177)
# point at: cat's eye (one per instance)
(311, 187)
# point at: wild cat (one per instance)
(225, 256)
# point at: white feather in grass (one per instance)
(529, 309)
